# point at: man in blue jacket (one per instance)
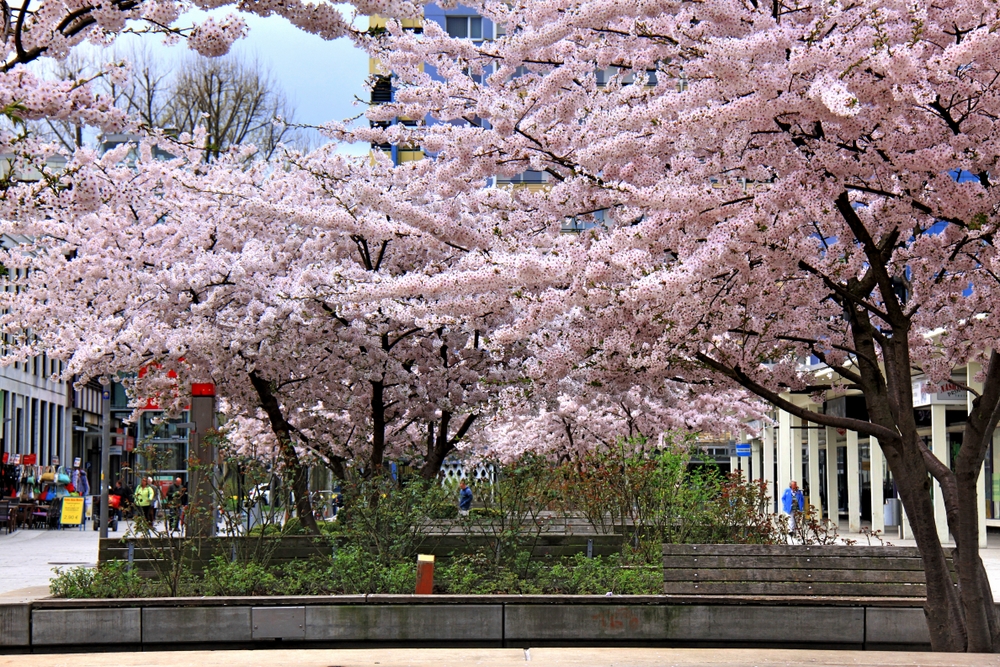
(792, 503)
(464, 499)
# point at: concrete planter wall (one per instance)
(485, 621)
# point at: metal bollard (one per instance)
(425, 574)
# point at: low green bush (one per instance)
(109, 580)
(223, 577)
(265, 529)
(353, 571)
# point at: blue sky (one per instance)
(320, 78)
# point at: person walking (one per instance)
(464, 499)
(177, 501)
(793, 503)
(124, 497)
(143, 498)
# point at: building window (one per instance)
(465, 27)
(529, 176)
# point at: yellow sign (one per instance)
(72, 512)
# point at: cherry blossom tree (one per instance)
(244, 275)
(769, 181)
(581, 419)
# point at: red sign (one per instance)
(202, 389)
(6, 455)
(29, 459)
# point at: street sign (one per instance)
(743, 449)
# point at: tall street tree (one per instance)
(769, 182)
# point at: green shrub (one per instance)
(597, 576)
(293, 527)
(224, 577)
(108, 580)
(479, 574)
(265, 529)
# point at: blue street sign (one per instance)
(743, 449)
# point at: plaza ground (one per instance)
(511, 657)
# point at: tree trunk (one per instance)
(942, 607)
(378, 427)
(282, 430)
(337, 466)
(438, 448)
(981, 620)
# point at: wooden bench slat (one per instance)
(798, 589)
(790, 549)
(787, 562)
(795, 575)
(742, 570)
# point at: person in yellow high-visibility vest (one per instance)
(144, 500)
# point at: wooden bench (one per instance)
(751, 570)
(151, 554)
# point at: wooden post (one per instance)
(425, 574)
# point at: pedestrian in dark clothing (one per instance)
(177, 500)
(464, 499)
(124, 498)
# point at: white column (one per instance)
(43, 427)
(734, 463)
(65, 437)
(939, 446)
(815, 499)
(784, 452)
(756, 468)
(832, 491)
(768, 472)
(745, 466)
(996, 471)
(796, 449)
(877, 473)
(853, 484)
(981, 505)
(970, 373)
(43, 455)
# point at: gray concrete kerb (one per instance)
(534, 657)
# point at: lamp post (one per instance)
(105, 453)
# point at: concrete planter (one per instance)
(485, 621)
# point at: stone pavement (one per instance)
(28, 557)
(535, 657)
